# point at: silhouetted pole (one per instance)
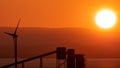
(15, 41)
(80, 61)
(23, 66)
(71, 58)
(41, 62)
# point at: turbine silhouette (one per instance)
(14, 35)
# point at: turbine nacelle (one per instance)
(13, 35)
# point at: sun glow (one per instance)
(105, 19)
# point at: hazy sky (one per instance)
(54, 13)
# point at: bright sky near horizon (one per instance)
(54, 13)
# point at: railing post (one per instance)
(23, 65)
(41, 62)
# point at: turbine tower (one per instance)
(14, 35)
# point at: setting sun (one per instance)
(105, 19)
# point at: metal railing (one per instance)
(30, 59)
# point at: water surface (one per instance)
(51, 63)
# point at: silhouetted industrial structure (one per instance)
(71, 60)
(80, 61)
(60, 55)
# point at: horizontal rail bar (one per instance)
(29, 59)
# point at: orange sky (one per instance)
(54, 13)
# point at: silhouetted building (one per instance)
(80, 61)
(71, 58)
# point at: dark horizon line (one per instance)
(93, 29)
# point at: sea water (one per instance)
(51, 63)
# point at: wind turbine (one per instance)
(14, 35)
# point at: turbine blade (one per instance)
(8, 33)
(17, 26)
